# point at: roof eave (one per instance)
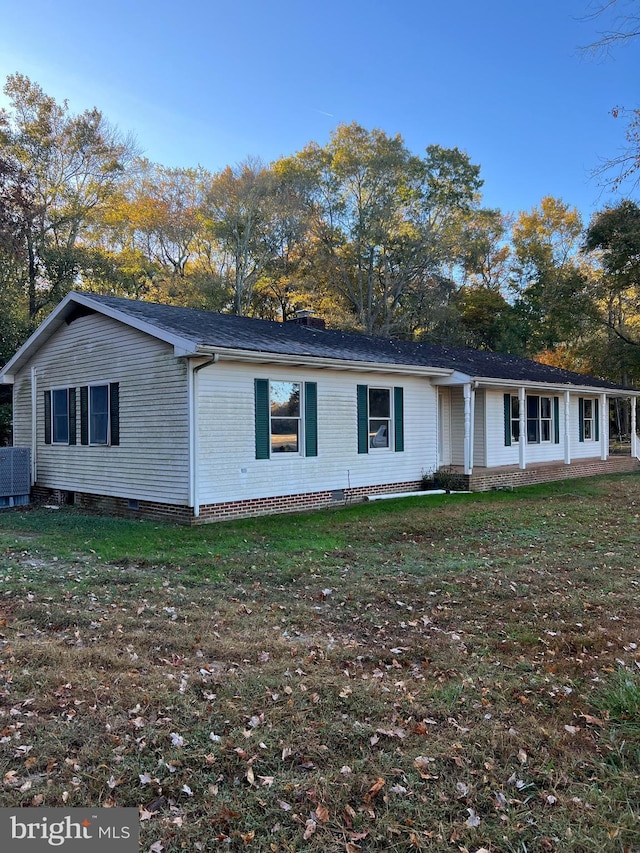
(262, 357)
(491, 382)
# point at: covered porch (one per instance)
(491, 445)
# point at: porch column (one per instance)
(522, 441)
(468, 433)
(634, 435)
(604, 427)
(567, 428)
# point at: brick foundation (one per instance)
(482, 480)
(486, 479)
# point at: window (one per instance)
(380, 418)
(285, 418)
(284, 399)
(98, 414)
(539, 419)
(60, 415)
(588, 419)
(514, 418)
(542, 419)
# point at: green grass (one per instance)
(435, 674)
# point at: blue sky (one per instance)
(214, 82)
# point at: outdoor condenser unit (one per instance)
(15, 476)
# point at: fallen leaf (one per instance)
(322, 813)
(374, 789)
(309, 828)
(594, 721)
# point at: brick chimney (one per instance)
(304, 317)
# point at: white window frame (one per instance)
(588, 421)
(274, 453)
(514, 418)
(380, 421)
(539, 421)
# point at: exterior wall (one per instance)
(227, 470)
(588, 448)
(479, 429)
(444, 427)
(151, 461)
(499, 454)
(457, 426)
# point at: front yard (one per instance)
(447, 673)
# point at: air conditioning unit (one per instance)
(15, 476)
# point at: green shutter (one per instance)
(363, 419)
(262, 418)
(556, 420)
(114, 413)
(47, 417)
(596, 418)
(507, 420)
(398, 419)
(310, 419)
(72, 416)
(580, 419)
(84, 414)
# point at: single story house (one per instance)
(157, 411)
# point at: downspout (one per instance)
(193, 430)
(34, 424)
(634, 434)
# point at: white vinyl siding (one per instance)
(479, 429)
(228, 469)
(457, 426)
(151, 461)
(549, 451)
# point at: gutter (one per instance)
(260, 357)
(486, 382)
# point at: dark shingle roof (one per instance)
(208, 329)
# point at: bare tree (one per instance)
(622, 25)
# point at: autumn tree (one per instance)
(378, 218)
(153, 234)
(547, 278)
(236, 206)
(74, 163)
(613, 238)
